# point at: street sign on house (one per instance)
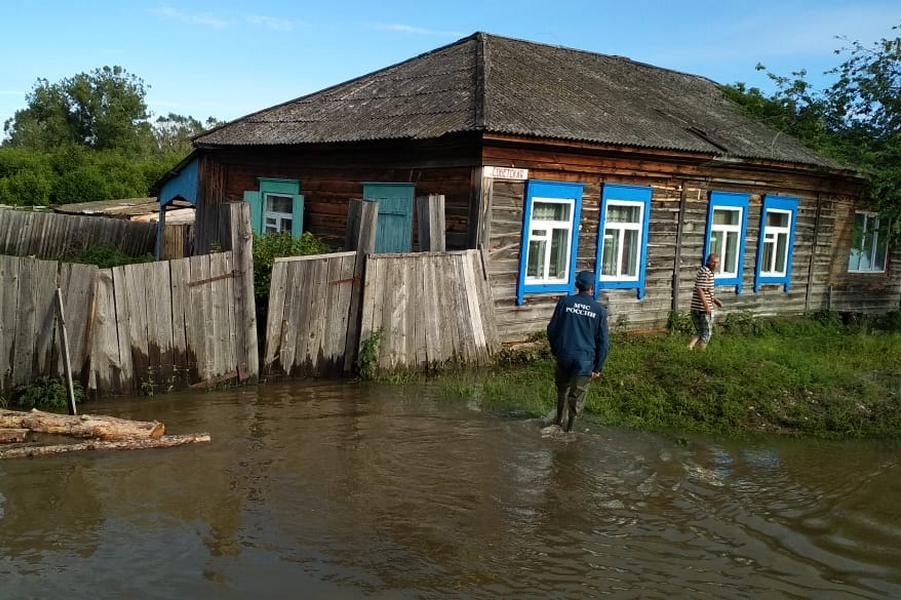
(505, 173)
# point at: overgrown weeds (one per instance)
(819, 375)
(44, 393)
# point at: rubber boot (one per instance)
(572, 419)
(561, 404)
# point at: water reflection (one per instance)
(344, 491)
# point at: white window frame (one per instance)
(622, 227)
(727, 230)
(547, 227)
(868, 215)
(278, 218)
(775, 231)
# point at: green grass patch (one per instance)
(818, 376)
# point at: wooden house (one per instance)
(555, 160)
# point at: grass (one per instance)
(814, 376)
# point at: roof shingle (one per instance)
(501, 85)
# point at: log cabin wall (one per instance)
(329, 176)
(859, 292)
(680, 196)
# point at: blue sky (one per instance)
(227, 58)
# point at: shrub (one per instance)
(107, 257)
(269, 246)
(45, 393)
(679, 322)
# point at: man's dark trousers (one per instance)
(572, 387)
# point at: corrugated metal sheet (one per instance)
(525, 89)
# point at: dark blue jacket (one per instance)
(578, 331)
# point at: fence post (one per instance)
(430, 222)
(240, 242)
(364, 243)
(354, 207)
(67, 363)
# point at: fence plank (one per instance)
(54, 236)
(9, 317)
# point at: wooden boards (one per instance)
(430, 309)
(55, 236)
(145, 328)
(309, 304)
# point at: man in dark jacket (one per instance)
(578, 336)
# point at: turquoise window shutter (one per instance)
(256, 211)
(297, 216)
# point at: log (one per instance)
(166, 441)
(10, 436)
(83, 426)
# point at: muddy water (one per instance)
(339, 491)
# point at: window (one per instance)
(775, 243)
(869, 245)
(550, 241)
(622, 241)
(726, 228)
(277, 207)
(550, 238)
(777, 236)
(279, 212)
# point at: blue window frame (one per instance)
(775, 247)
(727, 225)
(623, 238)
(550, 238)
(277, 207)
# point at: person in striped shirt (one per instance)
(703, 302)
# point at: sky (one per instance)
(228, 58)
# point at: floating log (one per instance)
(166, 441)
(83, 426)
(11, 436)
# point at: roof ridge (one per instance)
(461, 41)
(593, 53)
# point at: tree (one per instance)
(856, 120)
(173, 133)
(102, 110)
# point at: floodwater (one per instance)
(345, 491)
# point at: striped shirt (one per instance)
(703, 285)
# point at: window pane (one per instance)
(280, 204)
(623, 214)
(550, 211)
(610, 252)
(767, 264)
(286, 225)
(716, 242)
(722, 216)
(781, 252)
(881, 248)
(559, 254)
(630, 252)
(854, 259)
(776, 219)
(730, 255)
(535, 264)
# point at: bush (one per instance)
(679, 322)
(269, 246)
(107, 257)
(45, 393)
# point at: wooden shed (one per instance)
(555, 160)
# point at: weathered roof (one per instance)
(494, 84)
(126, 208)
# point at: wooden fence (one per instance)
(56, 236)
(426, 309)
(142, 328)
(309, 307)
